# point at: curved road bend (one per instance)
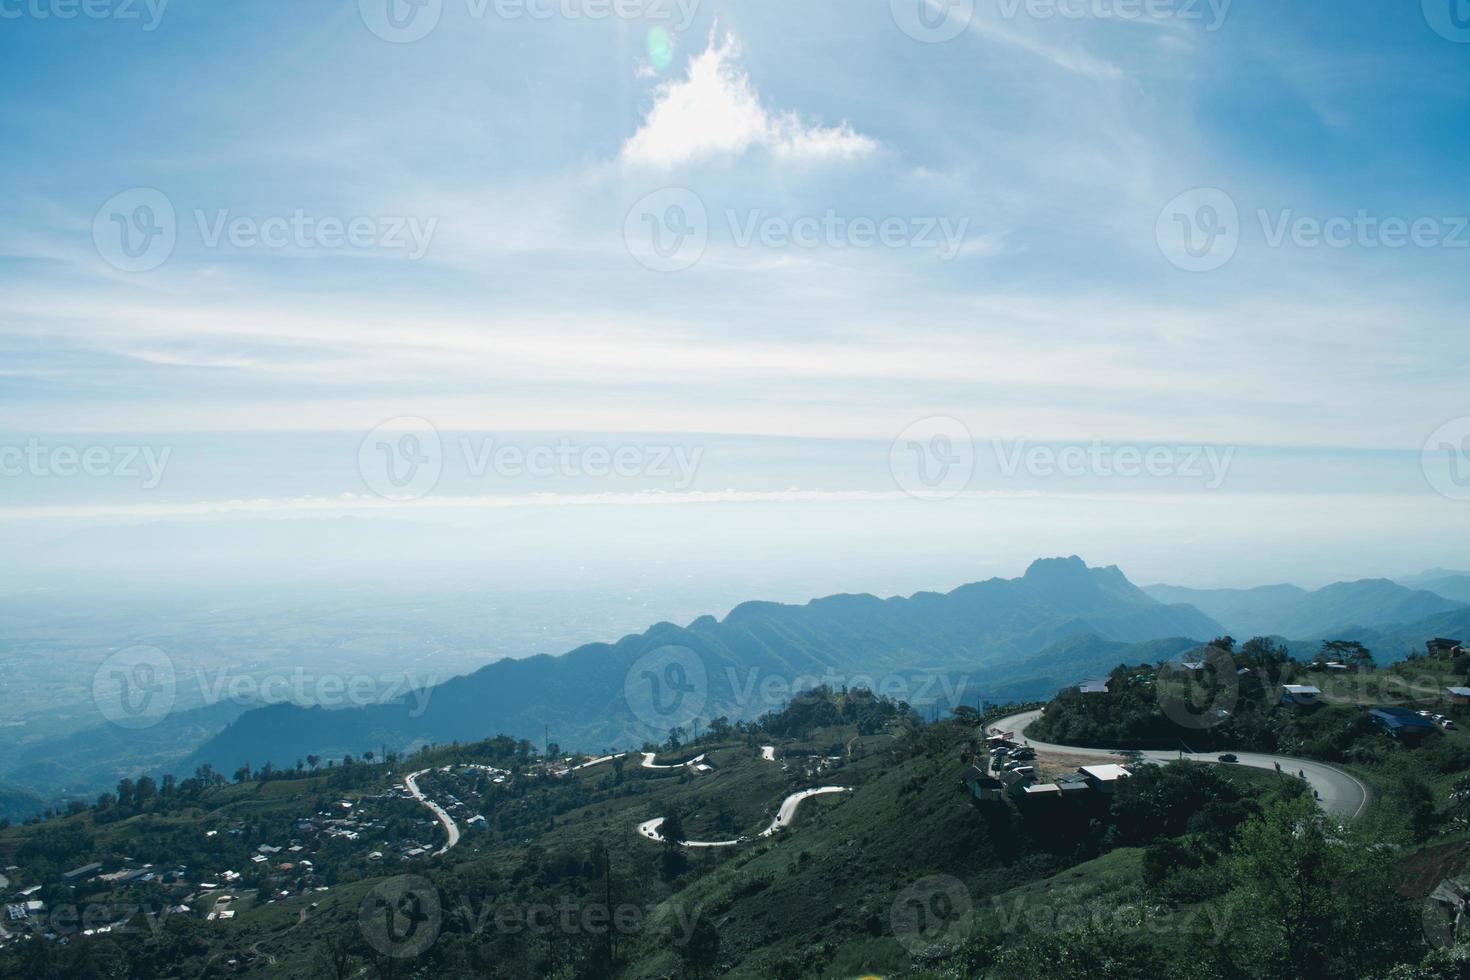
(452, 829)
(784, 816)
(1340, 793)
(648, 762)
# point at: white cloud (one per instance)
(713, 111)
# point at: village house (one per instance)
(984, 787)
(1105, 777)
(1459, 695)
(1401, 723)
(1300, 694)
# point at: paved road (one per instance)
(1340, 793)
(784, 816)
(648, 762)
(450, 827)
(596, 762)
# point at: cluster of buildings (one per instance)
(1012, 775)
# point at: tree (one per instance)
(700, 949)
(1308, 890)
(1349, 652)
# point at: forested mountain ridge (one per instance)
(968, 638)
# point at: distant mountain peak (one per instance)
(1071, 566)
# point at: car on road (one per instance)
(1229, 757)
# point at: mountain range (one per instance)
(1291, 611)
(1014, 636)
(999, 640)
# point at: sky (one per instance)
(887, 295)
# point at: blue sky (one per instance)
(1030, 170)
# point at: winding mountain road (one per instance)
(648, 762)
(1340, 793)
(784, 816)
(450, 827)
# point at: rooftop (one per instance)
(1105, 773)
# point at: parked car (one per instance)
(1229, 757)
(1447, 724)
